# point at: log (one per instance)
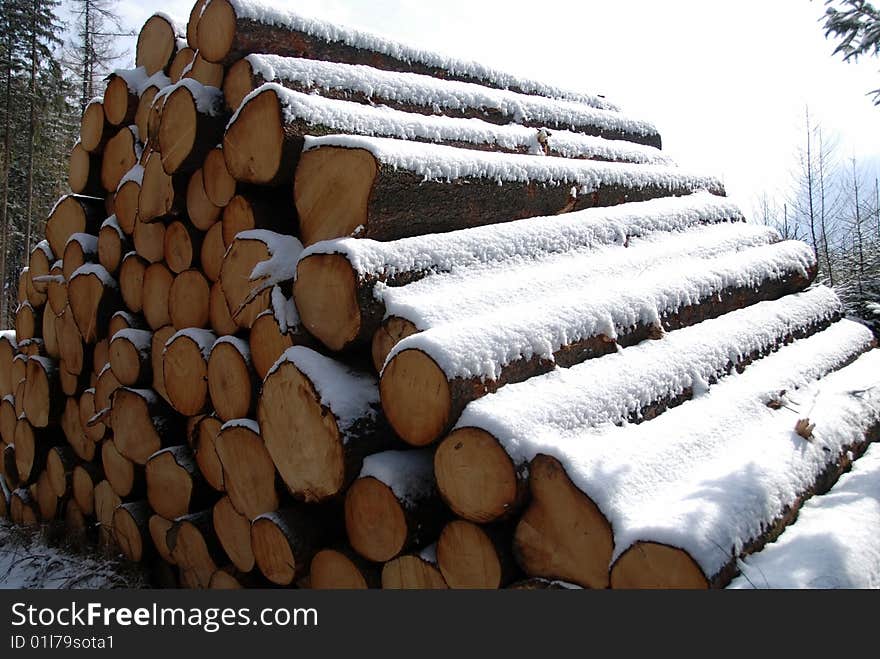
(27, 292)
(185, 366)
(28, 322)
(192, 123)
(522, 122)
(156, 44)
(121, 97)
(90, 418)
(130, 357)
(93, 296)
(341, 568)
(142, 424)
(149, 240)
(23, 508)
(183, 243)
(181, 62)
(269, 210)
(471, 556)
(50, 334)
(73, 385)
(219, 185)
(234, 533)
(95, 130)
(81, 248)
(189, 300)
(31, 449)
(49, 505)
(263, 142)
(414, 571)
(84, 172)
(106, 503)
(159, 527)
(131, 281)
(33, 347)
(192, 25)
(393, 506)
(213, 250)
(597, 319)
(43, 400)
(131, 531)
(201, 210)
(75, 355)
(8, 350)
(205, 72)
(19, 373)
(232, 383)
(39, 264)
(105, 387)
(248, 473)
(121, 320)
(121, 153)
(218, 312)
(204, 437)
(230, 29)
(319, 421)
(194, 548)
(113, 244)
(126, 478)
(157, 349)
(57, 289)
(256, 261)
(145, 105)
(73, 430)
(8, 419)
(284, 543)
(127, 199)
(272, 334)
(86, 476)
(10, 469)
(175, 487)
(229, 578)
(385, 198)
(158, 281)
(161, 195)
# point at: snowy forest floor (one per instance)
(39, 558)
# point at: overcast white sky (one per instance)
(725, 82)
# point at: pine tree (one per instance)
(855, 25)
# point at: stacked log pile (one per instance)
(322, 310)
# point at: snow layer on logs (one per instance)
(640, 475)
(467, 292)
(239, 344)
(833, 544)
(203, 338)
(284, 254)
(43, 246)
(113, 223)
(248, 424)
(277, 13)
(445, 163)
(611, 388)
(208, 100)
(98, 270)
(140, 339)
(136, 174)
(382, 121)
(348, 394)
(484, 340)
(87, 242)
(531, 237)
(136, 79)
(284, 311)
(158, 80)
(409, 474)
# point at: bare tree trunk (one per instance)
(860, 242)
(32, 131)
(4, 196)
(811, 214)
(822, 209)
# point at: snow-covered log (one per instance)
(175, 487)
(638, 383)
(191, 125)
(93, 296)
(94, 129)
(485, 348)
(319, 420)
(393, 505)
(832, 545)
(256, 261)
(121, 96)
(382, 188)
(43, 400)
(230, 29)
(274, 331)
(127, 198)
(194, 548)
(265, 136)
(161, 195)
(203, 71)
(185, 365)
(336, 279)
(131, 281)
(81, 248)
(113, 244)
(232, 383)
(341, 568)
(157, 43)
(39, 264)
(130, 357)
(248, 473)
(752, 487)
(284, 543)
(157, 355)
(73, 214)
(426, 95)
(121, 154)
(182, 62)
(131, 530)
(414, 571)
(142, 424)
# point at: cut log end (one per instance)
(468, 558)
(92, 128)
(416, 397)
(248, 471)
(267, 342)
(654, 565)
(475, 476)
(119, 103)
(126, 201)
(230, 382)
(129, 531)
(156, 45)
(159, 527)
(119, 157)
(332, 190)
(325, 291)
(393, 331)
(238, 83)
(412, 573)
(333, 570)
(374, 520)
(253, 146)
(135, 434)
(234, 532)
(220, 186)
(202, 211)
(185, 376)
(158, 281)
(216, 30)
(189, 300)
(169, 486)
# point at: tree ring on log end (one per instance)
(374, 521)
(185, 375)
(272, 552)
(177, 129)
(416, 397)
(325, 292)
(127, 535)
(155, 44)
(216, 30)
(331, 569)
(655, 565)
(467, 557)
(254, 143)
(411, 572)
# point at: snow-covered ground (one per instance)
(29, 559)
